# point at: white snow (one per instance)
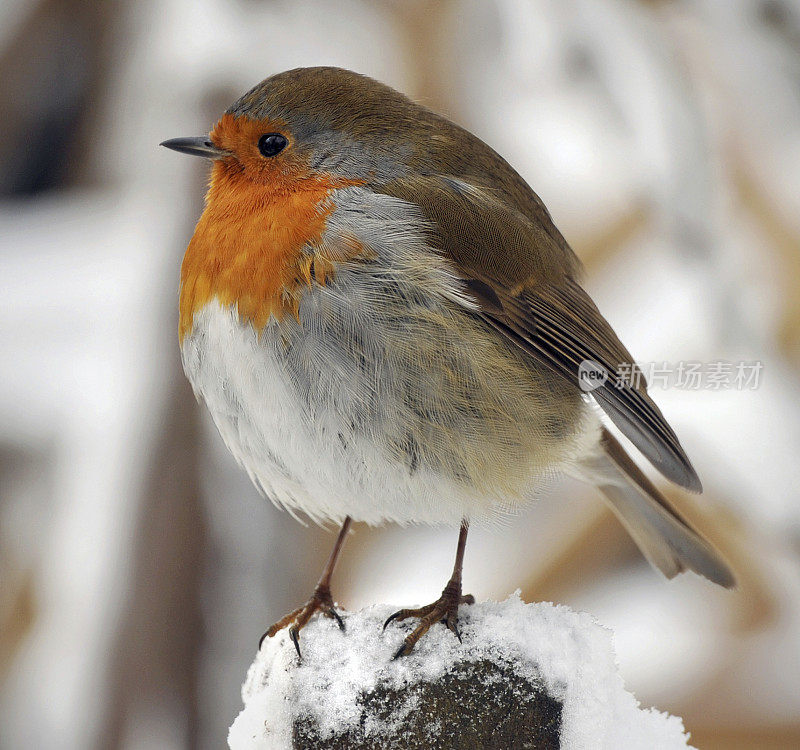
(569, 652)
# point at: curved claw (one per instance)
(334, 615)
(452, 626)
(390, 618)
(294, 634)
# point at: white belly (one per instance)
(317, 465)
(377, 437)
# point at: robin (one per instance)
(386, 325)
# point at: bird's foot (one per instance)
(444, 610)
(320, 601)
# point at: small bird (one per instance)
(386, 326)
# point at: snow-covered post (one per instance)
(525, 676)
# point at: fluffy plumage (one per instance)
(387, 399)
(428, 370)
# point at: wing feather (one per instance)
(523, 276)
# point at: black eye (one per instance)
(271, 144)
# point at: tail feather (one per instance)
(667, 540)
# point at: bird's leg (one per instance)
(320, 601)
(444, 609)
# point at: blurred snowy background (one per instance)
(138, 567)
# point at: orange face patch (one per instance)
(247, 249)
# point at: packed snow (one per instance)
(567, 652)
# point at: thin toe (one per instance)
(404, 614)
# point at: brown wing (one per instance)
(523, 275)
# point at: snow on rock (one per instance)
(566, 653)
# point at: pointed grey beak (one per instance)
(200, 146)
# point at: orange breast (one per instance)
(247, 249)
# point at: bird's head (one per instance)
(312, 121)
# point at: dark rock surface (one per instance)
(475, 705)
